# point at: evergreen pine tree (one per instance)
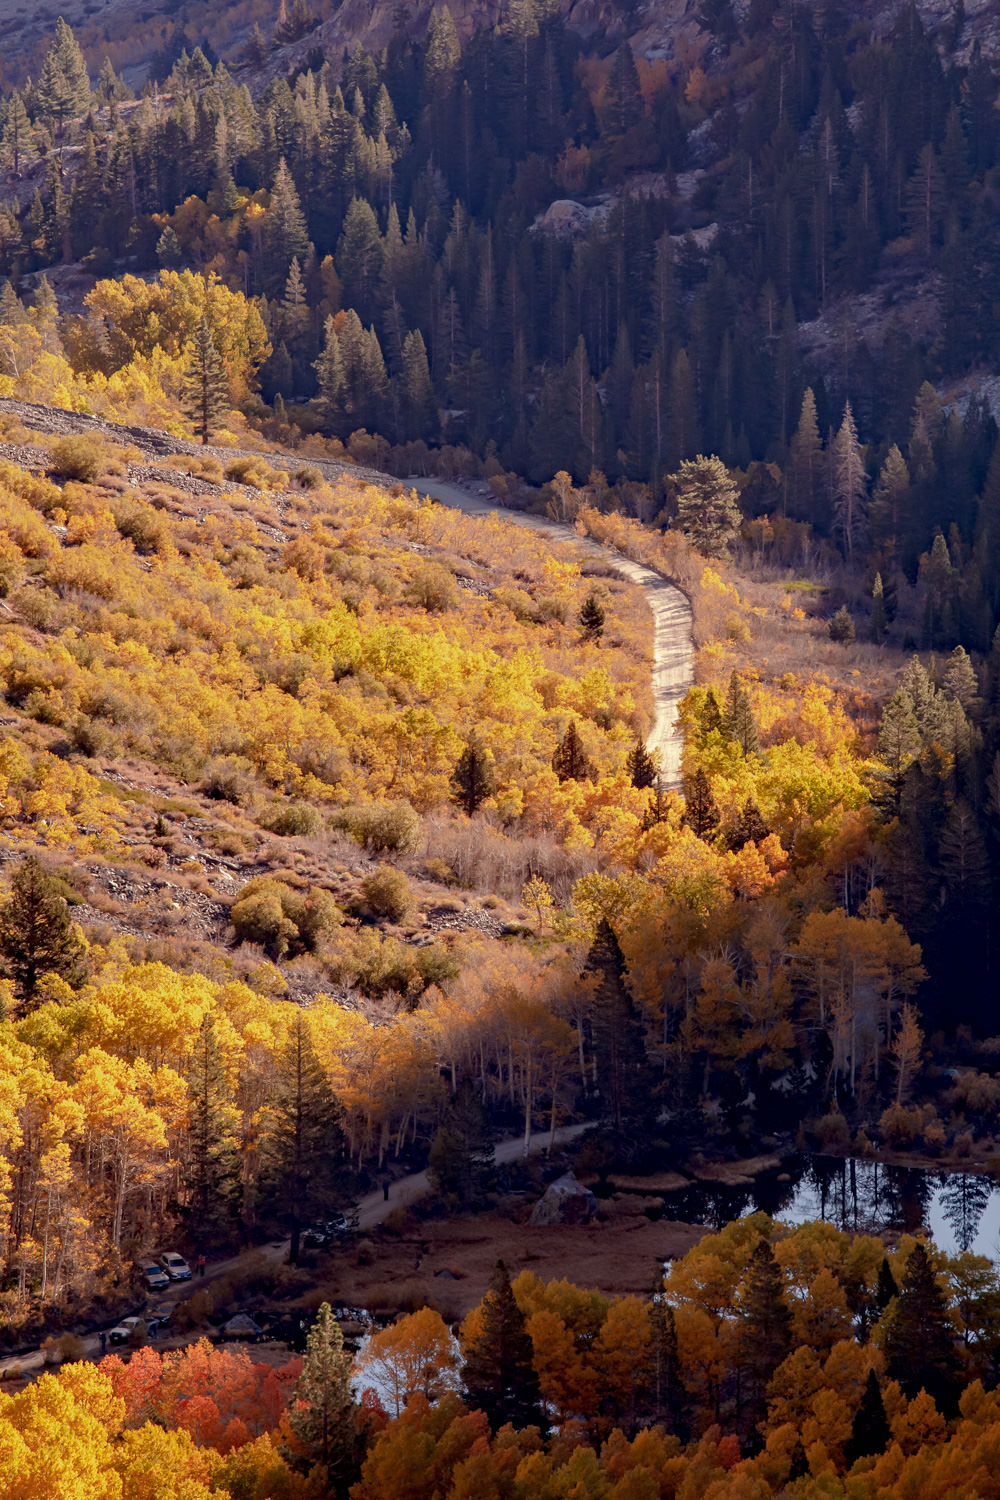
(498, 1370)
(960, 681)
(710, 716)
(570, 761)
(840, 627)
(919, 1341)
(12, 309)
(805, 464)
(849, 483)
(256, 48)
(870, 1433)
(331, 379)
(624, 96)
(359, 258)
(738, 722)
(682, 426)
(460, 1163)
(899, 733)
(886, 1287)
(878, 621)
(591, 619)
(890, 501)
(109, 85)
(748, 828)
(37, 936)
(17, 136)
(169, 251)
(700, 812)
(304, 1172)
(212, 1171)
(64, 86)
(206, 389)
(619, 1051)
(418, 391)
(443, 52)
(666, 1389)
(322, 1417)
(707, 504)
(641, 766)
(285, 234)
(765, 1334)
(472, 780)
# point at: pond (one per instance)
(960, 1210)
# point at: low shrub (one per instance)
(255, 472)
(144, 527)
(433, 588)
(284, 922)
(901, 1126)
(834, 1132)
(308, 477)
(84, 456)
(292, 819)
(381, 827)
(387, 893)
(205, 466)
(228, 778)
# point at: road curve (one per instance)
(673, 649)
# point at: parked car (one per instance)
(123, 1332)
(315, 1237)
(175, 1266)
(155, 1277)
(319, 1236)
(158, 1322)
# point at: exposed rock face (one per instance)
(656, 28)
(565, 1201)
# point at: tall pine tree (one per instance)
(206, 388)
(303, 1147)
(498, 1370)
(322, 1417)
(212, 1168)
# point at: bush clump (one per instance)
(381, 827)
(84, 456)
(228, 778)
(284, 922)
(386, 893)
(257, 473)
(433, 588)
(292, 820)
(380, 964)
(308, 477)
(140, 524)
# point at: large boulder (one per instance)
(565, 1201)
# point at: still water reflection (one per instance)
(960, 1210)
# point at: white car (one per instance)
(175, 1266)
(155, 1277)
(123, 1332)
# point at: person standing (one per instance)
(104, 1342)
(201, 1265)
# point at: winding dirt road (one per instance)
(673, 650)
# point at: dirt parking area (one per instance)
(447, 1264)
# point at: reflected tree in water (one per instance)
(964, 1199)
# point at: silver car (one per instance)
(175, 1266)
